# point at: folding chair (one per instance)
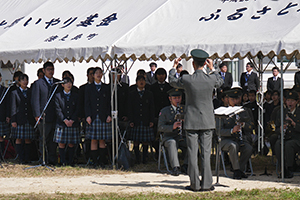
(162, 151)
(224, 167)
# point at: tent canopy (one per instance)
(77, 30)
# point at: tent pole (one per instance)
(260, 106)
(281, 121)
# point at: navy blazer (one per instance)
(227, 82)
(81, 97)
(141, 109)
(97, 102)
(41, 91)
(253, 82)
(4, 110)
(21, 111)
(160, 97)
(274, 85)
(67, 109)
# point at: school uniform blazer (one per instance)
(21, 111)
(41, 91)
(123, 92)
(274, 85)
(161, 97)
(97, 102)
(253, 82)
(81, 97)
(199, 109)
(297, 78)
(141, 109)
(66, 110)
(150, 79)
(227, 82)
(4, 110)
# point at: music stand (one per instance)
(43, 137)
(2, 99)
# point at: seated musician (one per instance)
(236, 135)
(291, 129)
(171, 129)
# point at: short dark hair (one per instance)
(68, 73)
(23, 76)
(97, 68)
(183, 72)
(89, 70)
(275, 68)
(139, 77)
(68, 80)
(160, 71)
(40, 70)
(140, 71)
(275, 91)
(153, 63)
(17, 74)
(48, 64)
(222, 65)
(199, 63)
(250, 64)
(252, 92)
(178, 66)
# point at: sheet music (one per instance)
(228, 110)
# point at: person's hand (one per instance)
(176, 62)
(236, 128)
(14, 124)
(151, 124)
(37, 118)
(125, 119)
(176, 125)
(131, 124)
(209, 63)
(89, 120)
(71, 122)
(292, 121)
(108, 119)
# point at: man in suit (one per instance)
(199, 118)
(297, 77)
(232, 142)
(178, 70)
(249, 80)
(41, 91)
(170, 127)
(124, 76)
(274, 82)
(150, 76)
(227, 77)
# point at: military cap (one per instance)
(292, 95)
(285, 92)
(174, 92)
(233, 93)
(199, 55)
(239, 90)
(296, 88)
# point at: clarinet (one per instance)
(242, 124)
(286, 123)
(178, 118)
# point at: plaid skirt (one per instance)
(66, 135)
(141, 134)
(25, 131)
(99, 130)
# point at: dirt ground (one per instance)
(132, 183)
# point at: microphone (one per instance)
(14, 82)
(60, 82)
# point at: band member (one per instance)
(141, 118)
(4, 117)
(171, 128)
(291, 129)
(67, 124)
(41, 91)
(97, 112)
(22, 120)
(199, 119)
(236, 136)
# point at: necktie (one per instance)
(223, 76)
(50, 82)
(141, 93)
(68, 96)
(25, 93)
(274, 78)
(98, 87)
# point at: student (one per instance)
(97, 111)
(141, 118)
(66, 74)
(67, 124)
(4, 118)
(22, 120)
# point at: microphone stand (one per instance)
(43, 137)
(2, 99)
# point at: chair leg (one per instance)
(250, 165)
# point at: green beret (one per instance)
(292, 95)
(199, 55)
(174, 92)
(233, 93)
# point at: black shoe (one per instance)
(175, 171)
(243, 175)
(189, 188)
(184, 169)
(212, 188)
(237, 174)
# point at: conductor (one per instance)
(199, 118)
